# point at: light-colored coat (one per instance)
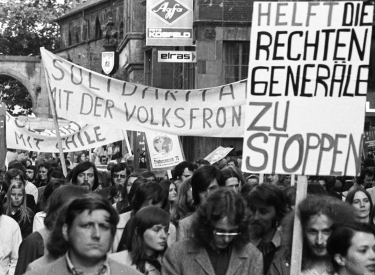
(60, 267)
(190, 257)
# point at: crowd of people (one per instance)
(205, 219)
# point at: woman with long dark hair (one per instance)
(351, 247)
(360, 199)
(170, 191)
(148, 241)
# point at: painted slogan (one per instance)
(74, 137)
(86, 96)
(308, 73)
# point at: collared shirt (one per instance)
(276, 240)
(104, 270)
(219, 259)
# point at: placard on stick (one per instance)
(307, 87)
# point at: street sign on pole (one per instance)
(177, 56)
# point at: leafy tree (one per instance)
(14, 94)
(28, 25)
(25, 26)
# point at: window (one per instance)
(77, 35)
(70, 39)
(84, 36)
(148, 67)
(184, 73)
(98, 29)
(122, 30)
(236, 60)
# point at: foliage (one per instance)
(28, 25)
(14, 94)
(25, 26)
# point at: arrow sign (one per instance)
(177, 56)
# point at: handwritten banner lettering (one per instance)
(307, 88)
(74, 137)
(89, 97)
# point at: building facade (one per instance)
(221, 39)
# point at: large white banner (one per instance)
(307, 87)
(74, 137)
(87, 97)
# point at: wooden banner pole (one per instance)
(127, 142)
(297, 229)
(56, 124)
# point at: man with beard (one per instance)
(85, 175)
(317, 214)
(267, 207)
(30, 178)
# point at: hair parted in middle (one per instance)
(145, 219)
(222, 203)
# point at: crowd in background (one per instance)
(205, 219)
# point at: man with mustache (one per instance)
(317, 214)
(85, 175)
(267, 208)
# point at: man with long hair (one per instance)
(268, 207)
(220, 243)
(203, 182)
(85, 175)
(317, 214)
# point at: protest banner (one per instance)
(169, 23)
(91, 98)
(74, 137)
(217, 154)
(308, 73)
(165, 150)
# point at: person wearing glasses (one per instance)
(119, 173)
(182, 171)
(220, 244)
(204, 181)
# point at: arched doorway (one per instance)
(15, 95)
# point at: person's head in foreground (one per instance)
(352, 248)
(222, 220)
(149, 237)
(317, 215)
(88, 231)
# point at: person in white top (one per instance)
(10, 240)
